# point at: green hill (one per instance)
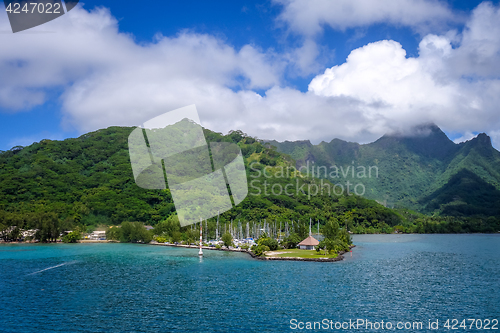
(88, 181)
(411, 168)
(465, 194)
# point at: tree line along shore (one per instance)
(257, 238)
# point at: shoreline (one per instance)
(339, 257)
(81, 241)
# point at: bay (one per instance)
(147, 288)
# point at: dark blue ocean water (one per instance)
(146, 288)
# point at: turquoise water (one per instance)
(145, 288)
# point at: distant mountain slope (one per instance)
(410, 167)
(465, 194)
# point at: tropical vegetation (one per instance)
(79, 184)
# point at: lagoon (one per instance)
(147, 288)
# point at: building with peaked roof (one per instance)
(308, 244)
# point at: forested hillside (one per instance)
(413, 169)
(84, 182)
(88, 181)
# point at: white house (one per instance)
(98, 235)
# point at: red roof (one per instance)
(309, 241)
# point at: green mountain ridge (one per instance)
(411, 167)
(465, 194)
(88, 181)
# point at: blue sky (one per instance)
(256, 66)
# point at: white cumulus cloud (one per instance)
(442, 85)
(308, 17)
(107, 78)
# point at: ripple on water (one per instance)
(141, 288)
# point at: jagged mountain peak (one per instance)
(481, 144)
(420, 130)
(425, 139)
(482, 139)
(297, 142)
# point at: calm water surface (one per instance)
(145, 288)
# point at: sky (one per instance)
(278, 69)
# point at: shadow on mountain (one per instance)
(465, 194)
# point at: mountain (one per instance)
(465, 194)
(88, 181)
(412, 168)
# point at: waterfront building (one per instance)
(308, 244)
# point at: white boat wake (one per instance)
(46, 269)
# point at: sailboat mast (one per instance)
(200, 253)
